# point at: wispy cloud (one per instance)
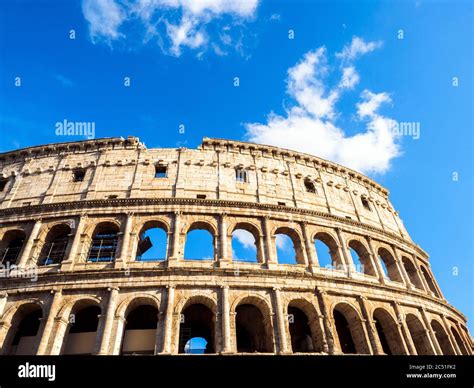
(174, 25)
(357, 48)
(309, 125)
(275, 17)
(63, 80)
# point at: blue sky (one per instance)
(342, 80)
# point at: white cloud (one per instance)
(243, 8)
(185, 34)
(350, 78)
(306, 86)
(104, 18)
(176, 24)
(310, 124)
(371, 103)
(357, 48)
(245, 238)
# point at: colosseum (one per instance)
(73, 224)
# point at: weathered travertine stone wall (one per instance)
(221, 186)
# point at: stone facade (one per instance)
(222, 186)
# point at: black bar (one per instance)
(249, 370)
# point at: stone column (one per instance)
(56, 300)
(68, 264)
(97, 174)
(123, 258)
(449, 333)
(420, 273)
(346, 257)
(119, 331)
(376, 260)
(281, 321)
(370, 326)
(319, 179)
(25, 254)
(438, 289)
(225, 320)
(175, 254)
(322, 295)
(404, 329)
(57, 340)
(438, 293)
(137, 176)
(402, 337)
(324, 342)
(223, 257)
(466, 343)
(4, 328)
(167, 332)
(269, 245)
(431, 334)
(262, 252)
(56, 179)
(3, 302)
(159, 333)
(310, 250)
(401, 268)
(109, 320)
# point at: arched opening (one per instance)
(382, 337)
(350, 330)
(346, 343)
(288, 246)
(82, 330)
(200, 243)
(286, 253)
(388, 334)
(327, 251)
(55, 245)
(442, 338)
(419, 335)
(197, 320)
(23, 337)
(361, 258)
(196, 345)
(429, 280)
(244, 246)
(104, 243)
(389, 265)
(304, 325)
(140, 330)
(459, 341)
(412, 272)
(12, 244)
(252, 332)
(152, 242)
(300, 331)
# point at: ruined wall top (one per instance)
(222, 170)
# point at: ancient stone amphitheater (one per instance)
(73, 224)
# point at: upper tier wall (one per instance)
(126, 168)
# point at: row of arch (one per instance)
(142, 327)
(154, 241)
